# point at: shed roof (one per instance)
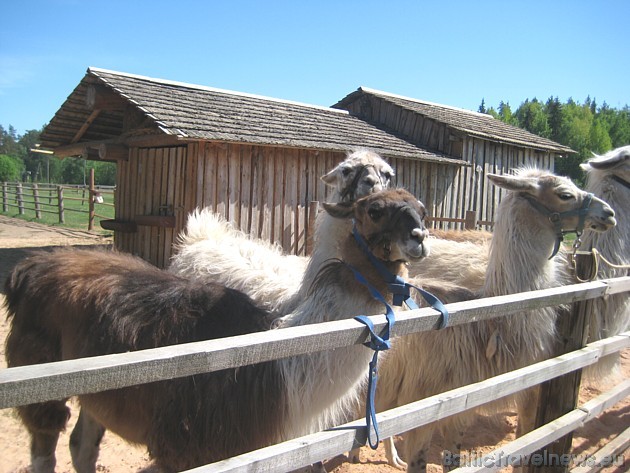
(473, 123)
(194, 112)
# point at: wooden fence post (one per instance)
(470, 222)
(5, 196)
(313, 208)
(20, 198)
(560, 395)
(62, 218)
(91, 197)
(38, 210)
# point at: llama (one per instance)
(424, 364)
(608, 177)
(70, 304)
(448, 252)
(212, 250)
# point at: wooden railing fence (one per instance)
(38, 383)
(52, 198)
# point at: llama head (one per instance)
(615, 163)
(360, 174)
(391, 223)
(565, 206)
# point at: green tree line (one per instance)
(19, 163)
(585, 128)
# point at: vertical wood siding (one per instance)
(266, 191)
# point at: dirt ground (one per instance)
(17, 238)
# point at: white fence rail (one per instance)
(38, 383)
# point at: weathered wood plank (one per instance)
(311, 448)
(607, 455)
(527, 444)
(61, 379)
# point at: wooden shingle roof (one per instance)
(193, 112)
(472, 123)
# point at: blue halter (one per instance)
(397, 286)
(401, 294)
(556, 219)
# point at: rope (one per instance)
(596, 256)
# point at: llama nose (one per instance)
(418, 233)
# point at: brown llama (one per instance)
(72, 304)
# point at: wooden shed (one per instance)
(253, 159)
(257, 160)
(484, 144)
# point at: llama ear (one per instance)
(340, 210)
(611, 159)
(330, 178)
(514, 183)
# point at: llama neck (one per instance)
(518, 262)
(520, 249)
(614, 243)
(322, 386)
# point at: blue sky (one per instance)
(450, 52)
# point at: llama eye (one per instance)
(565, 196)
(346, 172)
(375, 214)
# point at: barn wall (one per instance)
(154, 181)
(452, 191)
(266, 191)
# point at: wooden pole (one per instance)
(470, 222)
(5, 197)
(20, 198)
(62, 218)
(92, 196)
(38, 210)
(560, 395)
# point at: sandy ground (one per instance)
(17, 238)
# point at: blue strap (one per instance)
(399, 288)
(376, 343)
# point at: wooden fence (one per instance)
(38, 383)
(52, 199)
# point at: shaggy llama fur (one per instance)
(608, 177)
(424, 364)
(71, 304)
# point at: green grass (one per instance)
(75, 211)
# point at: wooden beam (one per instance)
(119, 226)
(99, 97)
(167, 221)
(113, 152)
(86, 125)
(75, 149)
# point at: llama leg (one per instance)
(452, 455)
(44, 421)
(416, 446)
(354, 455)
(43, 445)
(84, 443)
(392, 454)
